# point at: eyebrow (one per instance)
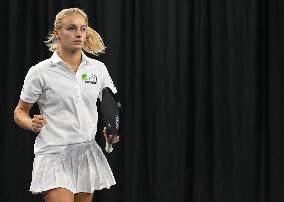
(76, 25)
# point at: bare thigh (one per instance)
(83, 197)
(58, 195)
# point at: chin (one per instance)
(75, 49)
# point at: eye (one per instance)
(83, 29)
(70, 28)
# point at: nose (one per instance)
(78, 34)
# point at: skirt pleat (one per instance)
(95, 179)
(79, 168)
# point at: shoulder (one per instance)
(38, 69)
(96, 63)
(42, 64)
(97, 66)
(93, 63)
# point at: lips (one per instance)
(77, 41)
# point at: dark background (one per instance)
(201, 83)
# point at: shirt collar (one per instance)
(56, 59)
(85, 59)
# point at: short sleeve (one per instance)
(106, 82)
(32, 88)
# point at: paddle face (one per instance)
(111, 110)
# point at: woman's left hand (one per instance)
(111, 139)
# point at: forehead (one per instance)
(75, 19)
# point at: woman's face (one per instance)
(72, 34)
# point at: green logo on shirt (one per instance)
(84, 77)
(91, 79)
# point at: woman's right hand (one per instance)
(38, 122)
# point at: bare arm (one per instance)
(23, 119)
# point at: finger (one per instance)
(37, 124)
(109, 138)
(36, 130)
(116, 139)
(34, 124)
(39, 117)
(44, 121)
(35, 119)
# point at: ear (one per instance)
(56, 33)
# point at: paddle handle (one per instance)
(108, 148)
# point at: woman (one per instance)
(68, 164)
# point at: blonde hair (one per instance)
(93, 44)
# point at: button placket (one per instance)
(77, 90)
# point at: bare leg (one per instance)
(83, 197)
(58, 195)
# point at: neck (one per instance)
(73, 59)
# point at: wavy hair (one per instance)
(93, 44)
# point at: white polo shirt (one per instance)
(66, 99)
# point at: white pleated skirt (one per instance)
(79, 168)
